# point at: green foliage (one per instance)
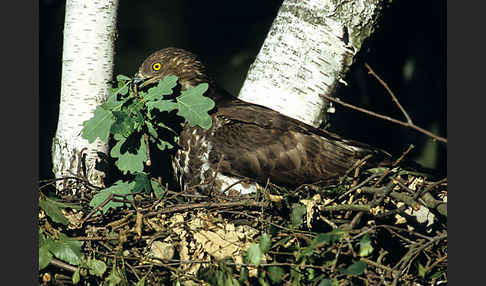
(119, 188)
(52, 208)
(244, 274)
(131, 154)
(365, 247)
(256, 251)
(96, 267)
(64, 248)
(297, 272)
(275, 273)
(316, 250)
(194, 107)
(142, 183)
(45, 255)
(297, 215)
(156, 188)
(99, 125)
(255, 254)
(141, 282)
(421, 270)
(128, 115)
(222, 274)
(356, 268)
(164, 87)
(76, 277)
(115, 277)
(130, 118)
(296, 276)
(318, 241)
(325, 238)
(437, 275)
(265, 243)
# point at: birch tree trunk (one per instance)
(308, 50)
(87, 68)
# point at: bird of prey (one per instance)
(249, 141)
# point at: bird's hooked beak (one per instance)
(140, 81)
(137, 80)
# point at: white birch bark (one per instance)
(87, 68)
(309, 48)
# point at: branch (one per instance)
(409, 123)
(371, 72)
(63, 265)
(207, 205)
(387, 118)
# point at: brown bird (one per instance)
(248, 140)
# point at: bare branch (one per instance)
(371, 72)
(387, 118)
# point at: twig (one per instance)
(356, 187)
(410, 147)
(357, 165)
(405, 187)
(245, 180)
(63, 265)
(387, 118)
(349, 207)
(371, 72)
(396, 195)
(111, 197)
(439, 260)
(147, 149)
(207, 205)
(52, 181)
(429, 188)
(355, 220)
(378, 265)
(98, 208)
(415, 249)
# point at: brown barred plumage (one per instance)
(249, 140)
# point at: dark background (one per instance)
(408, 51)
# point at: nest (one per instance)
(376, 227)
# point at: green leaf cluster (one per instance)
(131, 118)
(63, 248)
(114, 196)
(297, 215)
(52, 208)
(69, 250)
(225, 273)
(256, 251)
(128, 116)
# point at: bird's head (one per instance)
(171, 61)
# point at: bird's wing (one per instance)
(262, 144)
(238, 110)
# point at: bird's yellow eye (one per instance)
(156, 66)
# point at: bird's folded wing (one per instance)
(260, 143)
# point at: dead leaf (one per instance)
(162, 250)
